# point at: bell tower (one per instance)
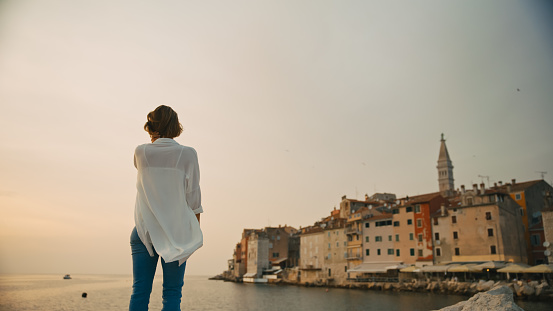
(445, 170)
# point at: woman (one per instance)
(167, 210)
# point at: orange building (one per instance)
(413, 228)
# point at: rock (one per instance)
(498, 299)
(518, 289)
(528, 290)
(484, 286)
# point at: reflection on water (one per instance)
(109, 292)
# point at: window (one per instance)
(397, 237)
(469, 201)
(438, 252)
(521, 211)
(435, 221)
(395, 211)
(367, 239)
(378, 238)
(278, 237)
(535, 240)
(490, 232)
(409, 209)
(337, 244)
(328, 233)
(455, 235)
(419, 223)
(328, 245)
(367, 225)
(411, 237)
(518, 196)
(346, 255)
(397, 252)
(346, 269)
(390, 251)
(492, 198)
(345, 243)
(420, 237)
(453, 219)
(390, 238)
(367, 252)
(417, 208)
(357, 237)
(488, 215)
(328, 257)
(412, 252)
(329, 273)
(275, 255)
(396, 223)
(493, 251)
(270, 245)
(420, 252)
(436, 236)
(457, 252)
(378, 252)
(409, 221)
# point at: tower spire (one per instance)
(445, 170)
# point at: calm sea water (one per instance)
(112, 292)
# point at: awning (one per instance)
(465, 268)
(279, 261)
(540, 269)
(375, 267)
(514, 268)
(411, 269)
(442, 268)
(250, 275)
(491, 265)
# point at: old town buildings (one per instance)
(377, 236)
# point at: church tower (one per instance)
(445, 170)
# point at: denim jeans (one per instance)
(144, 269)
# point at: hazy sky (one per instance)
(290, 105)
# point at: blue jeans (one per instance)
(144, 269)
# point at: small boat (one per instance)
(67, 277)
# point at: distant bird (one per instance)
(518, 90)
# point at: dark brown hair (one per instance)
(163, 122)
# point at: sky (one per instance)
(289, 104)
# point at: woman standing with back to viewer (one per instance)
(167, 210)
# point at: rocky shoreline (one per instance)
(533, 290)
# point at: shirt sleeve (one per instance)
(193, 192)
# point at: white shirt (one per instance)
(168, 197)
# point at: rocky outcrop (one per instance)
(499, 298)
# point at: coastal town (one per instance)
(480, 231)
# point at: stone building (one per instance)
(547, 216)
(240, 255)
(531, 197)
(479, 225)
(279, 242)
(258, 251)
(311, 254)
(335, 246)
(378, 247)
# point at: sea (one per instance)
(112, 292)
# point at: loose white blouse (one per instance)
(168, 199)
